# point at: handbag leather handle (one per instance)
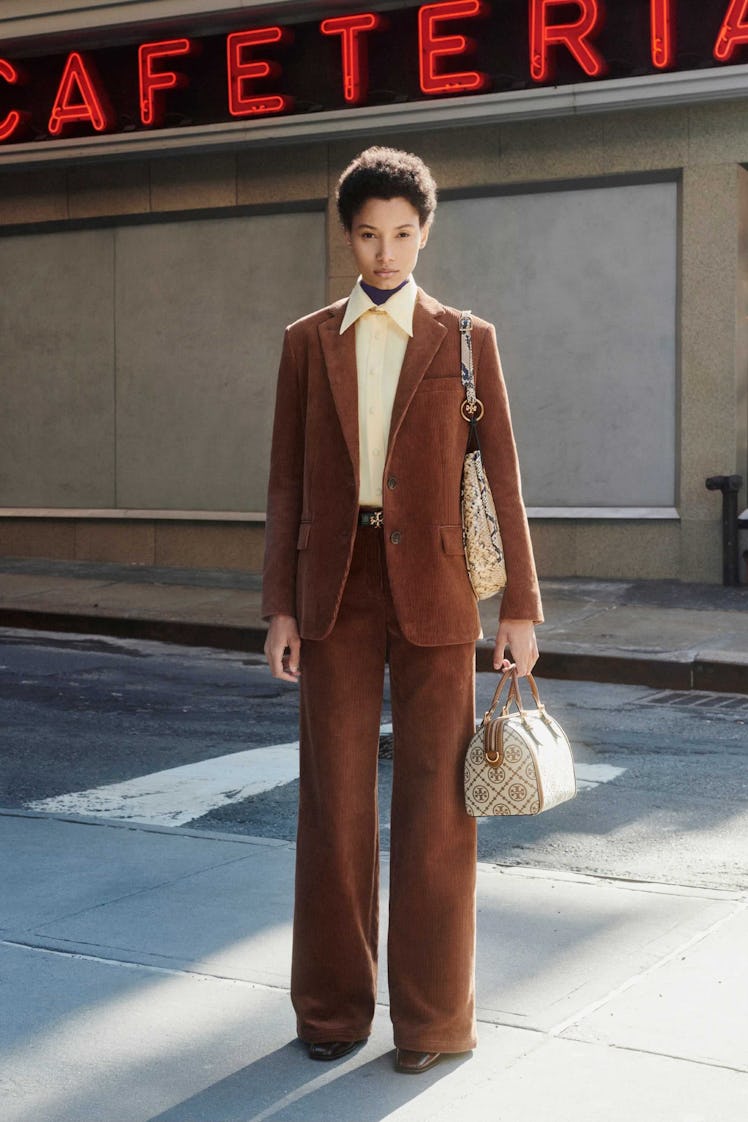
(514, 693)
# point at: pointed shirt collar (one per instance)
(399, 306)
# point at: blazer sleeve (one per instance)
(285, 490)
(521, 597)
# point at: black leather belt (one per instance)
(371, 518)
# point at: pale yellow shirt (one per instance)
(382, 334)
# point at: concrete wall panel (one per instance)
(645, 141)
(581, 285)
(200, 308)
(107, 189)
(37, 537)
(269, 175)
(186, 545)
(708, 334)
(192, 182)
(56, 350)
(33, 196)
(559, 148)
(128, 543)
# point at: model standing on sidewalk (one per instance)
(364, 565)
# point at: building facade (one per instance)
(165, 171)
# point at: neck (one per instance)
(379, 296)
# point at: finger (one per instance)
(294, 655)
(275, 657)
(285, 673)
(525, 667)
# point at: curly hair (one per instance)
(385, 173)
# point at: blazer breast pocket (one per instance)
(444, 382)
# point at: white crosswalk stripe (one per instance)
(181, 794)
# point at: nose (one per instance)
(385, 250)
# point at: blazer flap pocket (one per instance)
(452, 539)
(303, 538)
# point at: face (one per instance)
(385, 238)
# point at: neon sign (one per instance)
(355, 58)
(154, 81)
(242, 72)
(432, 47)
(80, 97)
(448, 48)
(576, 36)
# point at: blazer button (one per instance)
(395, 537)
(391, 482)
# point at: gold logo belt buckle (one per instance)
(376, 518)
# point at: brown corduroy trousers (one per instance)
(431, 943)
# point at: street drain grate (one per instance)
(727, 703)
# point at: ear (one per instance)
(425, 231)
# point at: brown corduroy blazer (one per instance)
(312, 508)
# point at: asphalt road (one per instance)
(665, 797)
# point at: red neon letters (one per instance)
(663, 38)
(242, 73)
(733, 32)
(152, 82)
(12, 122)
(568, 30)
(432, 47)
(572, 35)
(355, 69)
(93, 107)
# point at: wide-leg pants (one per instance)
(431, 943)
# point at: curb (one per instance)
(585, 666)
(227, 637)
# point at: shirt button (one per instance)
(372, 410)
(377, 452)
(391, 482)
(395, 537)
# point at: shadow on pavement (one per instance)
(286, 1086)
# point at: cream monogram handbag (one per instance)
(519, 762)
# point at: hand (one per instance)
(283, 635)
(519, 636)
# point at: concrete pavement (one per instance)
(144, 971)
(657, 633)
(145, 979)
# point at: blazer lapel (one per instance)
(339, 352)
(428, 335)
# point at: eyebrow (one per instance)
(402, 226)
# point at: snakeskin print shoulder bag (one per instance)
(484, 552)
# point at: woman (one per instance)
(364, 564)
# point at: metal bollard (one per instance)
(729, 485)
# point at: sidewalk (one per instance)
(145, 979)
(657, 633)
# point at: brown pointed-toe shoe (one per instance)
(413, 1063)
(332, 1049)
